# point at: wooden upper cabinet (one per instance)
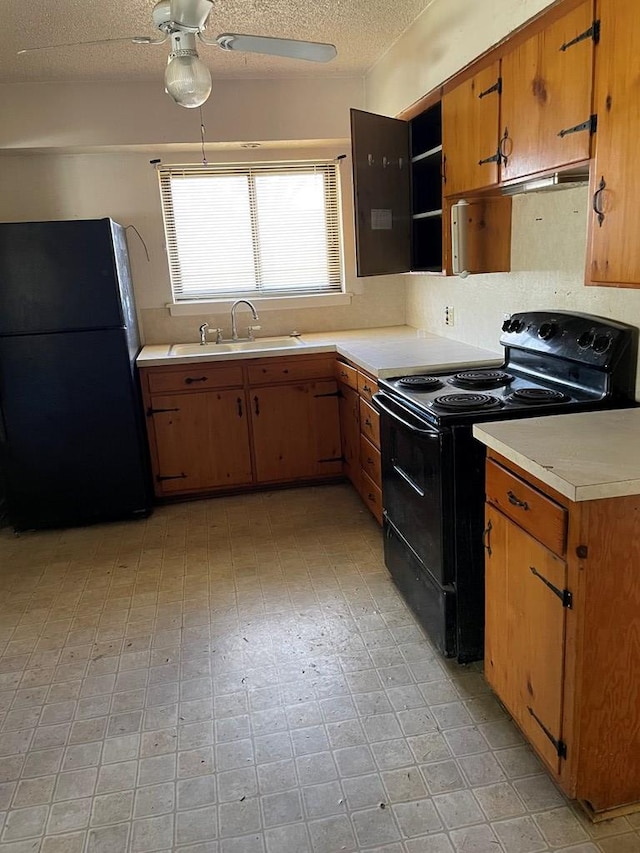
(470, 125)
(546, 97)
(613, 256)
(381, 178)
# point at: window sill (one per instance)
(275, 303)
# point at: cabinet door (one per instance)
(200, 441)
(614, 250)
(349, 406)
(381, 183)
(296, 431)
(524, 633)
(546, 91)
(470, 121)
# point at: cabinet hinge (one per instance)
(497, 87)
(591, 124)
(160, 478)
(495, 158)
(592, 33)
(151, 411)
(560, 745)
(330, 394)
(564, 595)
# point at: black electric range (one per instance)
(433, 468)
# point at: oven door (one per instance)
(417, 485)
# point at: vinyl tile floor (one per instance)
(239, 675)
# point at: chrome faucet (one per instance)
(203, 333)
(234, 328)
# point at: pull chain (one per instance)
(202, 133)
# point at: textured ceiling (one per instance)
(361, 30)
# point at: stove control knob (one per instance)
(601, 343)
(586, 339)
(506, 325)
(547, 331)
(516, 325)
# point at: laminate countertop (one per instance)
(382, 352)
(584, 456)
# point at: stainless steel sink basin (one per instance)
(239, 346)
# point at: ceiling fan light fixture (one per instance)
(187, 79)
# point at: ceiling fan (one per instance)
(187, 79)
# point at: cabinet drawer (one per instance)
(370, 423)
(370, 460)
(371, 495)
(533, 511)
(347, 374)
(192, 378)
(367, 387)
(294, 369)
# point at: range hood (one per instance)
(557, 181)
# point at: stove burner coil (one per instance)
(466, 402)
(420, 383)
(481, 378)
(538, 395)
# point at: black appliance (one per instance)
(433, 468)
(72, 439)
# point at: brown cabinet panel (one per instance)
(545, 92)
(533, 511)
(525, 630)
(613, 256)
(370, 460)
(470, 122)
(370, 423)
(381, 178)
(372, 496)
(198, 376)
(346, 374)
(270, 370)
(201, 441)
(296, 431)
(367, 386)
(349, 406)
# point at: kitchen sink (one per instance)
(258, 345)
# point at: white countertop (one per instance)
(388, 351)
(584, 456)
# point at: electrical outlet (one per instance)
(448, 315)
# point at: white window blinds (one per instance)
(268, 229)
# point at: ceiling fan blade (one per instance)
(312, 51)
(191, 14)
(134, 39)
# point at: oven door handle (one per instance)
(379, 399)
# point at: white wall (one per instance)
(549, 229)
(447, 36)
(83, 151)
(84, 115)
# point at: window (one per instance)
(260, 230)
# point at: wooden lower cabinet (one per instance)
(562, 627)
(360, 430)
(524, 664)
(349, 404)
(296, 431)
(201, 441)
(278, 423)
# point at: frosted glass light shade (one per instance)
(187, 79)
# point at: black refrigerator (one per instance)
(72, 440)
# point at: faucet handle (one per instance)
(253, 329)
